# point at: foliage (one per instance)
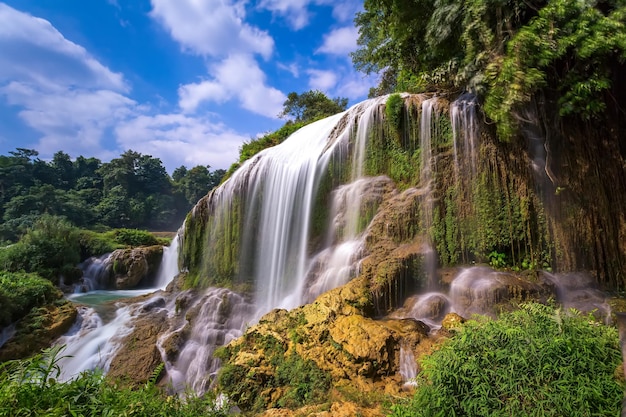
(299, 381)
(312, 105)
(254, 146)
(570, 45)
(30, 388)
(305, 381)
(20, 292)
(538, 361)
(506, 52)
(51, 248)
(134, 237)
(132, 191)
(393, 111)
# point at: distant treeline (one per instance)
(132, 191)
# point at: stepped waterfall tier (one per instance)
(346, 250)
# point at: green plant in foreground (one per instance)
(537, 361)
(30, 388)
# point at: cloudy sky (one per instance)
(186, 81)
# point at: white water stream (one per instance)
(101, 326)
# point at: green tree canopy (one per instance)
(505, 51)
(312, 105)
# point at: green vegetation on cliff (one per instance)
(537, 361)
(506, 52)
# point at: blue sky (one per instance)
(186, 81)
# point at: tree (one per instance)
(312, 105)
(505, 52)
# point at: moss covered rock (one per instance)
(38, 329)
(333, 341)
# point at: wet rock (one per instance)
(136, 360)
(132, 266)
(337, 333)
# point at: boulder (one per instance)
(132, 266)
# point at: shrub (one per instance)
(29, 388)
(538, 361)
(50, 248)
(393, 111)
(20, 292)
(134, 237)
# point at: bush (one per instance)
(29, 388)
(20, 292)
(96, 244)
(134, 237)
(538, 361)
(50, 248)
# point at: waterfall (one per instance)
(273, 196)
(221, 317)
(169, 265)
(91, 343)
(95, 273)
(6, 333)
(465, 133)
(428, 130)
(408, 366)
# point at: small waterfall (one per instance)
(169, 264)
(428, 131)
(96, 271)
(579, 291)
(221, 317)
(408, 367)
(6, 333)
(465, 134)
(91, 343)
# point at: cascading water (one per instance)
(274, 195)
(408, 366)
(221, 317)
(465, 134)
(428, 131)
(95, 273)
(91, 343)
(94, 339)
(169, 265)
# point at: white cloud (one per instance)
(237, 76)
(323, 80)
(292, 68)
(211, 27)
(68, 118)
(34, 51)
(77, 104)
(298, 15)
(181, 140)
(355, 85)
(340, 41)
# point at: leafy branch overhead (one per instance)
(506, 52)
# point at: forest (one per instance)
(131, 191)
